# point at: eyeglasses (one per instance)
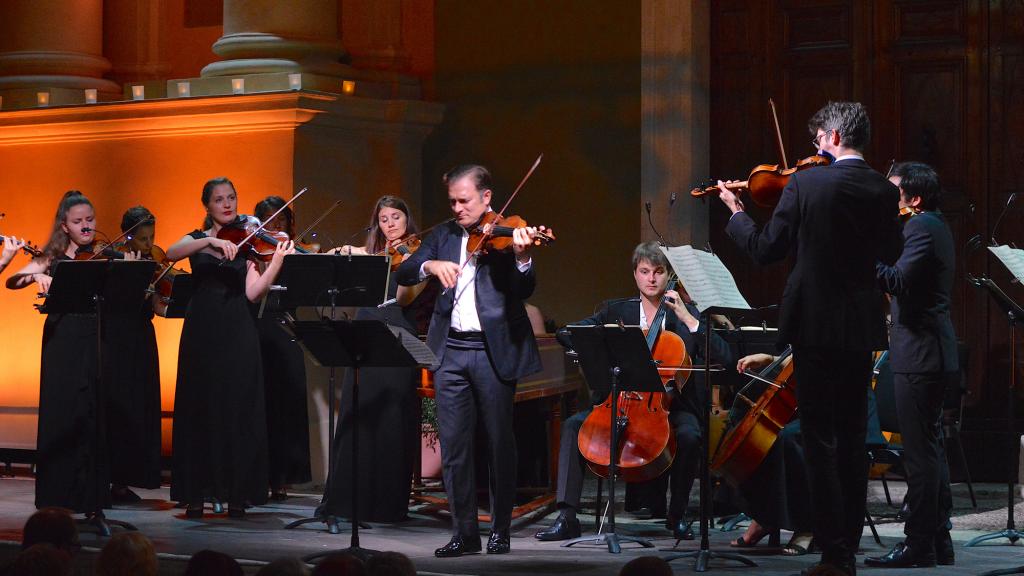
(815, 143)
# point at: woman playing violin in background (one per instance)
(132, 377)
(220, 443)
(284, 377)
(72, 470)
(391, 425)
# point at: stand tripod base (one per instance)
(613, 540)
(701, 558)
(1010, 534)
(361, 553)
(102, 524)
(332, 523)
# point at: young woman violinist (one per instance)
(389, 424)
(284, 378)
(132, 377)
(72, 469)
(219, 434)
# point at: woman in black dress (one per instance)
(219, 437)
(71, 464)
(132, 380)
(284, 378)
(389, 426)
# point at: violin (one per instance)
(765, 182)
(647, 444)
(27, 248)
(396, 252)
(499, 237)
(909, 211)
(98, 251)
(258, 247)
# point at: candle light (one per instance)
(90, 95)
(348, 87)
(238, 85)
(295, 81)
(43, 98)
(184, 89)
(138, 92)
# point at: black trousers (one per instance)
(919, 407)
(832, 398)
(466, 388)
(572, 466)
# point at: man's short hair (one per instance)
(480, 175)
(849, 119)
(651, 252)
(919, 179)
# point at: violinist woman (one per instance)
(72, 469)
(132, 377)
(284, 378)
(389, 430)
(219, 434)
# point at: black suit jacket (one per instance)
(500, 291)
(627, 311)
(841, 220)
(922, 339)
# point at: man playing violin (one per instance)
(839, 220)
(484, 343)
(923, 356)
(651, 272)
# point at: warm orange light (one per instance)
(348, 87)
(238, 85)
(138, 92)
(42, 98)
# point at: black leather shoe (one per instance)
(944, 550)
(563, 529)
(681, 529)
(849, 568)
(457, 547)
(498, 543)
(904, 556)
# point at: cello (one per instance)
(760, 410)
(647, 444)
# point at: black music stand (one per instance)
(330, 280)
(100, 287)
(615, 358)
(1014, 315)
(703, 554)
(358, 344)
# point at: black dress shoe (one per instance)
(849, 568)
(681, 529)
(457, 547)
(564, 528)
(904, 556)
(944, 550)
(194, 511)
(498, 543)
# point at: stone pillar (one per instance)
(53, 44)
(269, 36)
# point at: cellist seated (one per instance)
(651, 272)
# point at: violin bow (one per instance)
(124, 234)
(778, 135)
(891, 166)
(263, 225)
(318, 220)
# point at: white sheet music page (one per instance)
(1012, 258)
(705, 278)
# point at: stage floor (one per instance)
(260, 537)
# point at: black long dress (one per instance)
(71, 469)
(389, 428)
(132, 388)
(219, 435)
(284, 379)
(777, 494)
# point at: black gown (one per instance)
(132, 388)
(71, 464)
(284, 379)
(777, 494)
(220, 430)
(389, 428)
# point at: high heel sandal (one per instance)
(742, 542)
(799, 544)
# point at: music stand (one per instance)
(704, 553)
(358, 344)
(615, 358)
(1014, 315)
(334, 280)
(99, 287)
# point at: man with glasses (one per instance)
(838, 220)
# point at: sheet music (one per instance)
(705, 278)
(1012, 258)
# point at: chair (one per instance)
(953, 415)
(882, 416)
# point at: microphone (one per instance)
(672, 199)
(650, 222)
(86, 230)
(1009, 201)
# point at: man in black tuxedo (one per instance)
(484, 343)
(838, 220)
(923, 357)
(651, 272)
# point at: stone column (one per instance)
(270, 36)
(53, 44)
